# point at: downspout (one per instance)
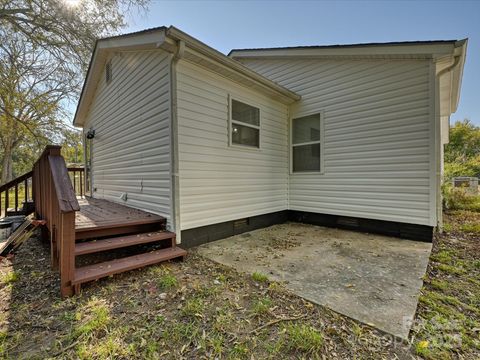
(438, 149)
(175, 180)
(456, 60)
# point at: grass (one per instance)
(93, 317)
(457, 198)
(448, 313)
(193, 307)
(214, 312)
(262, 306)
(470, 228)
(10, 278)
(259, 277)
(303, 338)
(211, 312)
(167, 281)
(451, 269)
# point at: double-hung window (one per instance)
(307, 144)
(244, 124)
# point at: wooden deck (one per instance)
(83, 226)
(99, 217)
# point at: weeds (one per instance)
(94, 317)
(458, 198)
(10, 278)
(167, 281)
(262, 306)
(259, 277)
(450, 269)
(193, 307)
(301, 337)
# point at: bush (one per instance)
(457, 198)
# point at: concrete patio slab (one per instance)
(371, 278)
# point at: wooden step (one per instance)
(107, 268)
(90, 247)
(119, 228)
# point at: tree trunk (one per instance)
(7, 163)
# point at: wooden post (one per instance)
(75, 182)
(16, 197)
(81, 184)
(25, 185)
(67, 253)
(55, 202)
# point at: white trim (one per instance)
(241, 123)
(433, 110)
(379, 50)
(291, 145)
(435, 143)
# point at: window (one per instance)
(306, 143)
(244, 124)
(108, 71)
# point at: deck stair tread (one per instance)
(107, 268)
(89, 247)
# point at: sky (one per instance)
(225, 25)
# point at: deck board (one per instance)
(99, 214)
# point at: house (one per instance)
(345, 135)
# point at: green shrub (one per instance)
(457, 198)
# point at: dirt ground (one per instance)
(191, 309)
(368, 277)
(447, 324)
(198, 309)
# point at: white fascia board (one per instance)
(460, 50)
(369, 51)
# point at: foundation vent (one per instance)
(240, 224)
(347, 221)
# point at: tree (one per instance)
(31, 93)
(464, 141)
(462, 153)
(45, 46)
(65, 28)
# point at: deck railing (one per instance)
(56, 202)
(77, 177)
(11, 193)
(16, 196)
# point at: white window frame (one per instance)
(231, 121)
(321, 141)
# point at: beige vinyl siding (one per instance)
(378, 125)
(131, 117)
(219, 182)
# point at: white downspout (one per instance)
(439, 148)
(175, 180)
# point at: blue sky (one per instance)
(244, 24)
